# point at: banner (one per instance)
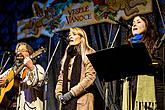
(57, 16)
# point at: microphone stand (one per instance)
(3, 67)
(2, 59)
(127, 26)
(46, 75)
(107, 83)
(112, 46)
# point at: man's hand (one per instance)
(2, 82)
(29, 63)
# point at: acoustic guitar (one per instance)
(10, 76)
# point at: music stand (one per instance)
(122, 61)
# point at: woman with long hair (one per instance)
(144, 90)
(77, 75)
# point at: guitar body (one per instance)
(5, 89)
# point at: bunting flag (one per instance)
(57, 16)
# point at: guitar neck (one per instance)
(19, 69)
(16, 73)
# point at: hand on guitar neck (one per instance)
(28, 63)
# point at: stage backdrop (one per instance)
(54, 16)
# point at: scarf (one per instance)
(75, 79)
(145, 93)
(136, 39)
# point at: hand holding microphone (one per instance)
(66, 97)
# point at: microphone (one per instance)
(126, 25)
(123, 24)
(62, 37)
(66, 39)
(10, 53)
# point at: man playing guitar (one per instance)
(30, 75)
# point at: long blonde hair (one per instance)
(84, 45)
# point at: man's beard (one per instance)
(18, 59)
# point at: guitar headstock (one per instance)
(38, 52)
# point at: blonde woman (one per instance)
(77, 75)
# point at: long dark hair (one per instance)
(151, 36)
